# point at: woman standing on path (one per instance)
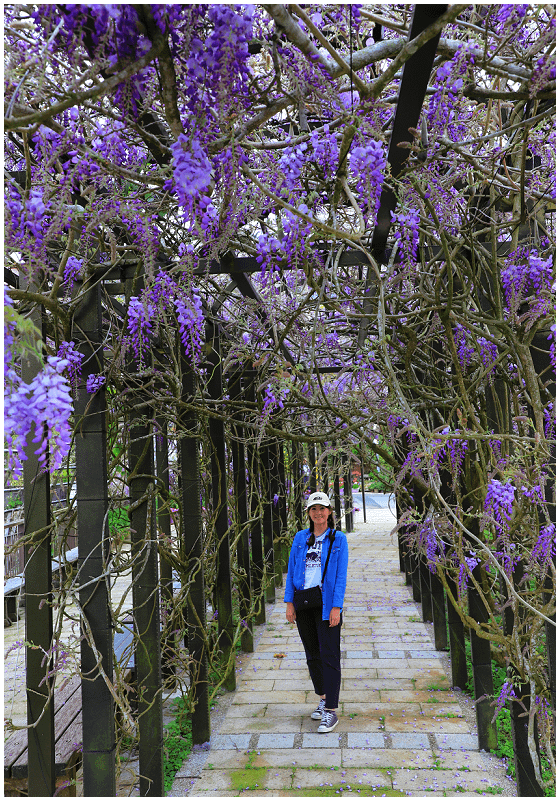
(319, 558)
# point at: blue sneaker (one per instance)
(319, 710)
(329, 721)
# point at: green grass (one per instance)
(437, 687)
(177, 742)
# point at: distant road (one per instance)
(374, 500)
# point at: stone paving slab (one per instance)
(230, 741)
(271, 724)
(319, 740)
(245, 698)
(456, 741)
(367, 739)
(385, 758)
(401, 728)
(325, 756)
(273, 740)
(305, 779)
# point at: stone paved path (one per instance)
(401, 730)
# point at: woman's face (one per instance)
(319, 514)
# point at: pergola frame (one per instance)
(255, 474)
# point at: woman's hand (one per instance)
(290, 612)
(334, 618)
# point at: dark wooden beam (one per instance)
(99, 739)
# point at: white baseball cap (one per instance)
(318, 499)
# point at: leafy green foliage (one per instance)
(12, 502)
(118, 522)
(178, 742)
(505, 747)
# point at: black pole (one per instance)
(540, 353)
(425, 584)
(192, 543)
(223, 589)
(481, 664)
(297, 484)
(457, 641)
(325, 475)
(402, 540)
(240, 492)
(275, 493)
(438, 612)
(348, 495)
(527, 784)
(282, 511)
(337, 499)
(38, 608)
(99, 740)
(415, 574)
(313, 481)
(363, 490)
(169, 640)
(255, 512)
(268, 522)
(146, 608)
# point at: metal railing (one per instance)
(14, 528)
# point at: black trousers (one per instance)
(322, 648)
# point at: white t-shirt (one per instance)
(313, 563)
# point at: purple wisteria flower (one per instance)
(72, 271)
(26, 220)
(139, 323)
(368, 164)
(434, 545)
(325, 151)
(43, 405)
(465, 569)
(489, 353)
(94, 383)
(506, 693)
(465, 349)
(290, 166)
(192, 169)
(191, 321)
(499, 502)
(50, 409)
(552, 339)
(407, 232)
(74, 360)
(527, 274)
(544, 549)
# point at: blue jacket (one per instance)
(334, 587)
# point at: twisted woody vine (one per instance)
(170, 137)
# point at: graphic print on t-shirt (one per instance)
(313, 563)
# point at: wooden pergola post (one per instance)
(99, 739)
(223, 590)
(38, 608)
(192, 552)
(242, 512)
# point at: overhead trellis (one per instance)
(245, 240)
